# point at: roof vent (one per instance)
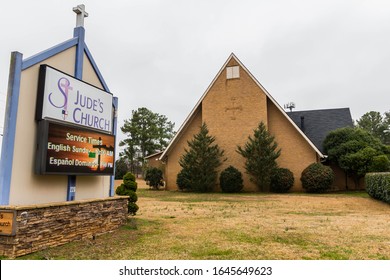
(232, 72)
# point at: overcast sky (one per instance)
(164, 54)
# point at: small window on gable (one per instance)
(232, 72)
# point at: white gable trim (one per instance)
(153, 155)
(280, 108)
(190, 116)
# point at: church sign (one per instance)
(58, 126)
(64, 98)
(67, 149)
(7, 221)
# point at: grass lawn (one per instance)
(176, 225)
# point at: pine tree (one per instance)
(376, 124)
(147, 133)
(261, 153)
(200, 163)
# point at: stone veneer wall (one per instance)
(49, 225)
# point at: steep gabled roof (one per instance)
(153, 155)
(318, 123)
(191, 115)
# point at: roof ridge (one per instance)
(267, 94)
(316, 110)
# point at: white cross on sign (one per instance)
(81, 14)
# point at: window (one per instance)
(232, 72)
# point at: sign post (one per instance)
(64, 130)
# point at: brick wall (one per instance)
(232, 109)
(296, 152)
(153, 161)
(172, 166)
(42, 226)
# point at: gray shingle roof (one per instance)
(318, 123)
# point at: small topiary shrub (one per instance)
(132, 208)
(231, 180)
(378, 185)
(129, 179)
(128, 188)
(317, 178)
(154, 177)
(281, 180)
(132, 196)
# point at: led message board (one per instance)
(71, 150)
(64, 98)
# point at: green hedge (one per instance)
(378, 185)
(231, 180)
(317, 178)
(154, 177)
(281, 180)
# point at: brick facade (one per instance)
(296, 152)
(172, 167)
(153, 161)
(232, 109)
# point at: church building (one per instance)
(233, 106)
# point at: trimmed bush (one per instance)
(281, 180)
(154, 177)
(132, 186)
(132, 196)
(380, 164)
(128, 188)
(132, 208)
(129, 177)
(181, 180)
(378, 185)
(231, 180)
(317, 178)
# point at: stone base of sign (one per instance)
(38, 227)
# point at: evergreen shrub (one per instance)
(317, 178)
(132, 208)
(380, 164)
(154, 177)
(128, 188)
(200, 162)
(181, 180)
(121, 168)
(231, 180)
(128, 180)
(260, 153)
(281, 180)
(378, 185)
(132, 196)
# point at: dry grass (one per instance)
(175, 225)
